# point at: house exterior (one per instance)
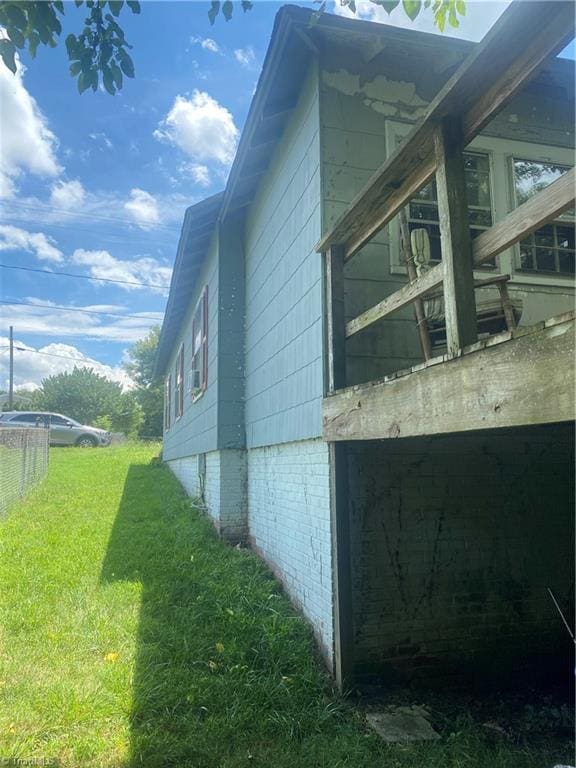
(436, 561)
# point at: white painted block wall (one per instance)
(224, 488)
(289, 525)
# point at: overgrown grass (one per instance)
(132, 636)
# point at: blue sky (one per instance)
(97, 185)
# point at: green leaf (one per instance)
(116, 75)
(214, 10)
(8, 53)
(94, 79)
(86, 61)
(440, 18)
(33, 42)
(45, 34)
(108, 80)
(75, 68)
(388, 5)
(16, 17)
(115, 6)
(16, 36)
(72, 46)
(461, 7)
(134, 6)
(126, 64)
(352, 5)
(452, 18)
(83, 82)
(412, 8)
(246, 5)
(78, 3)
(59, 5)
(228, 9)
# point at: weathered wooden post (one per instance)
(459, 299)
(339, 493)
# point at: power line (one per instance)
(84, 277)
(54, 354)
(77, 309)
(79, 214)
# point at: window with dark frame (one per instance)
(179, 384)
(167, 402)
(423, 208)
(199, 362)
(551, 249)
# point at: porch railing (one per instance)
(512, 52)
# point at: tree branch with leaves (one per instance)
(100, 51)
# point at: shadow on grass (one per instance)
(226, 674)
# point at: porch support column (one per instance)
(335, 318)
(459, 299)
(335, 341)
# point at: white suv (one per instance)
(63, 430)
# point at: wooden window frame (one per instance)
(199, 353)
(396, 132)
(565, 220)
(179, 384)
(167, 402)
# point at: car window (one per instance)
(59, 421)
(29, 418)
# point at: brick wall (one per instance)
(454, 542)
(289, 525)
(224, 488)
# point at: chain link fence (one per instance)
(23, 462)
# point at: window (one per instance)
(423, 209)
(179, 388)
(167, 402)
(199, 362)
(34, 419)
(26, 418)
(551, 248)
(59, 421)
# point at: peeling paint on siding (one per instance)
(393, 98)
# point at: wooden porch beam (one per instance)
(459, 297)
(426, 283)
(524, 380)
(527, 218)
(498, 67)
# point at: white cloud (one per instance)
(67, 194)
(16, 239)
(207, 43)
(145, 269)
(101, 208)
(480, 16)
(101, 138)
(30, 367)
(200, 173)
(245, 56)
(26, 142)
(143, 208)
(44, 318)
(201, 127)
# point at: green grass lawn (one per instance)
(132, 636)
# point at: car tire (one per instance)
(86, 441)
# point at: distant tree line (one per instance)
(93, 399)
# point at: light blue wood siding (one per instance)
(196, 430)
(283, 344)
(231, 301)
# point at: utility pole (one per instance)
(11, 381)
